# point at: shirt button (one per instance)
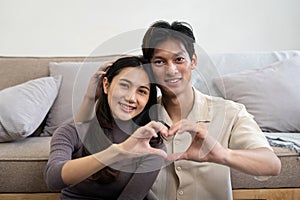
(180, 192)
(178, 168)
(177, 142)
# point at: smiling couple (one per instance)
(178, 146)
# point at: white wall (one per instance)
(77, 27)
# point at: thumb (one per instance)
(158, 152)
(176, 156)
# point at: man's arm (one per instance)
(204, 148)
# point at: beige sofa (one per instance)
(22, 162)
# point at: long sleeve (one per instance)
(143, 179)
(63, 143)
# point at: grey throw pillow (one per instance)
(271, 94)
(24, 107)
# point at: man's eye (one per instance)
(180, 59)
(158, 62)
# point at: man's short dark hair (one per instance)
(161, 31)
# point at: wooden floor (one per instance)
(268, 194)
(262, 194)
(33, 196)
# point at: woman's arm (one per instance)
(77, 170)
(61, 168)
(139, 186)
(144, 177)
(87, 107)
(63, 143)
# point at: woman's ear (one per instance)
(194, 61)
(105, 84)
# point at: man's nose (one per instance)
(171, 68)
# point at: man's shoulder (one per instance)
(215, 101)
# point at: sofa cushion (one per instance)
(16, 70)
(270, 93)
(23, 107)
(22, 165)
(288, 177)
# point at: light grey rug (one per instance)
(286, 140)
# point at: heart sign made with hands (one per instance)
(202, 148)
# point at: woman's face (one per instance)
(128, 93)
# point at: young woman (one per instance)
(120, 155)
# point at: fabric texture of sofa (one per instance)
(22, 161)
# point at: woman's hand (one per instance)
(138, 143)
(94, 81)
(87, 107)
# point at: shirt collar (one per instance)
(199, 112)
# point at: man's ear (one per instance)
(194, 61)
(105, 84)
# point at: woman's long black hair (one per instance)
(103, 111)
(105, 118)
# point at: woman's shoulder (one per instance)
(65, 128)
(67, 133)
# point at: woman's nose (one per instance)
(131, 97)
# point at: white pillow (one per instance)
(271, 94)
(62, 109)
(23, 107)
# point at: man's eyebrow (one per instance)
(180, 53)
(157, 57)
(176, 54)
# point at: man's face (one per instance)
(172, 67)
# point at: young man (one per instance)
(207, 135)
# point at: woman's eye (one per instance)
(144, 92)
(124, 85)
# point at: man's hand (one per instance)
(203, 148)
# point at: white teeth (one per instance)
(126, 107)
(173, 80)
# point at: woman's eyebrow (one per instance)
(130, 82)
(145, 87)
(126, 80)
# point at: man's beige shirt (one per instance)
(230, 124)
